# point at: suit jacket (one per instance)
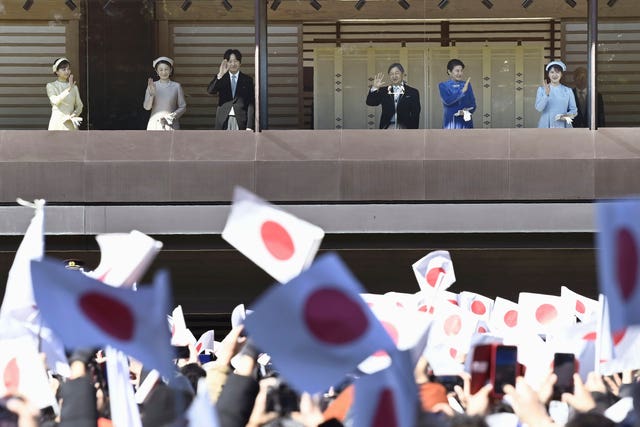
(408, 107)
(243, 103)
(581, 120)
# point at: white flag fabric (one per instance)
(477, 304)
(124, 410)
(579, 305)
(317, 328)
(238, 315)
(434, 271)
(278, 242)
(23, 373)
(206, 342)
(124, 257)
(618, 242)
(387, 398)
(19, 314)
(180, 334)
(86, 313)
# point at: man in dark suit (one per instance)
(580, 93)
(400, 102)
(236, 103)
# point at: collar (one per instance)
(236, 74)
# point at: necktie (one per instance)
(233, 85)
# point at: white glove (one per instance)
(76, 121)
(569, 120)
(466, 115)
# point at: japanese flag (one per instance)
(23, 373)
(504, 316)
(206, 342)
(541, 313)
(278, 242)
(238, 315)
(124, 257)
(475, 303)
(428, 301)
(580, 306)
(626, 351)
(86, 313)
(317, 328)
(449, 338)
(387, 398)
(619, 258)
(434, 271)
(407, 328)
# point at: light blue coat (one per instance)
(559, 101)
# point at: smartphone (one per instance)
(496, 364)
(564, 366)
(506, 366)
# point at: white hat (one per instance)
(558, 63)
(55, 65)
(162, 58)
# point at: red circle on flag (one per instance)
(385, 411)
(453, 352)
(626, 262)
(482, 330)
(590, 336)
(546, 313)
(452, 325)
(423, 308)
(618, 336)
(580, 308)
(333, 317)
(433, 275)
(277, 240)
(110, 315)
(511, 318)
(478, 308)
(11, 377)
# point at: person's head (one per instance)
(455, 69)
(396, 73)
(580, 77)
(62, 68)
(234, 58)
(554, 71)
(590, 419)
(193, 372)
(163, 67)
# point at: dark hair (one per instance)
(454, 63)
(396, 65)
(193, 372)
(61, 64)
(236, 52)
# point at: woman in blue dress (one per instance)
(457, 98)
(554, 100)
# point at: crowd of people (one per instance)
(559, 105)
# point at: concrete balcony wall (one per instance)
(136, 167)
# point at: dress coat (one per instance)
(243, 102)
(408, 108)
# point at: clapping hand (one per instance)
(151, 86)
(378, 81)
(224, 67)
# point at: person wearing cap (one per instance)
(64, 97)
(236, 101)
(164, 98)
(400, 102)
(457, 98)
(554, 100)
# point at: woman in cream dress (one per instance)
(63, 94)
(164, 98)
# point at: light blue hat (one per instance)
(558, 63)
